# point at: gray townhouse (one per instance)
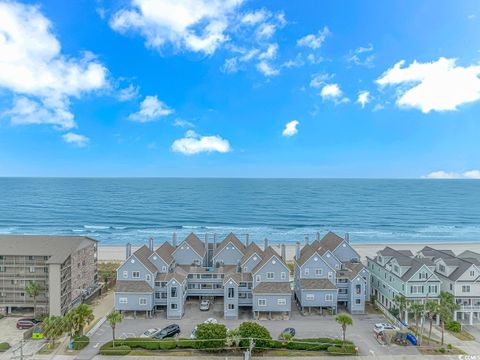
(459, 276)
(63, 266)
(328, 272)
(241, 274)
(399, 272)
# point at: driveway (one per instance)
(306, 327)
(10, 334)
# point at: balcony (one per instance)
(469, 308)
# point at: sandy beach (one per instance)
(117, 253)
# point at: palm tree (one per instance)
(113, 319)
(432, 310)
(446, 307)
(402, 304)
(53, 327)
(79, 318)
(416, 309)
(344, 320)
(33, 289)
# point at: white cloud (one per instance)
(76, 139)
(194, 25)
(270, 53)
(33, 68)
(193, 143)
(290, 128)
(334, 93)
(441, 174)
(183, 123)
(266, 31)
(318, 80)
(378, 107)
(129, 93)
(314, 41)
(151, 109)
(267, 69)
(362, 56)
(254, 17)
(441, 85)
(363, 98)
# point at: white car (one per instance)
(381, 327)
(150, 332)
(205, 305)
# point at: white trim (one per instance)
(189, 247)
(140, 301)
(254, 253)
(282, 302)
(267, 262)
(123, 300)
(263, 300)
(229, 243)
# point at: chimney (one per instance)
(206, 249)
(306, 240)
(247, 239)
(174, 240)
(128, 250)
(317, 236)
(266, 244)
(297, 251)
(347, 237)
(214, 241)
(150, 243)
(284, 252)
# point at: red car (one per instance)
(27, 323)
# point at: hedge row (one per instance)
(453, 326)
(4, 346)
(345, 350)
(318, 344)
(80, 342)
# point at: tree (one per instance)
(53, 327)
(446, 307)
(211, 336)
(344, 320)
(252, 330)
(79, 317)
(114, 318)
(402, 304)
(33, 289)
(432, 310)
(416, 309)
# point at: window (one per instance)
(432, 289)
(306, 271)
(310, 297)
(283, 275)
(318, 272)
(416, 289)
(2, 269)
(396, 269)
(22, 294)
(164, 268)
(31, 258)
(358, 301)
(231, 293)
(258, 278)
(358, 289)
(328, 297)
(157, 295)
(123, 300)
(465, 288)
(231, 306)
(173, 306)
(173, 291)
(142, 301)
(441, 268)
(270, 275)
(135, 274)
(472, 272)
(281, 301)
(245, 269)
(148, 277)
(451, 287)
(32, 269)
(330, 274)
(157, 283)
(343, 291)
(262, 302)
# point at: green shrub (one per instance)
(167, 344)
(449, 346)
(453, 326)
(142, 343)
(318, 344)
(442, 350)
(118, 350)
(394, 311)
(184, 343)
(275, 344)
(346, 350)
(211, 337)
(80, 342)
(257, 332)
(4, 346)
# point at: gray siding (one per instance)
(178, 301)
(185, 255)
(316, 262)
(272, 302)
(133, 301)
(232, 301)
(332, 260)
(161, 265)
(251, 263)
(125, 271)
(357, 290)
(229, 255)
(344, 252)
(317, 298)
(273, 265)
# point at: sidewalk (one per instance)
(469, 347)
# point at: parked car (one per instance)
(205, 305)
(27, 323)
(287, 332)
(193, 335)
(150, 332)
(381, 327)
(169, 331)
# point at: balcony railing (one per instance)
(469, 307)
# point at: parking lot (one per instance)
(306, 327)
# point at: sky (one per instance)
(237, 88)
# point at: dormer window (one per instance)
(472, 272)
(396, 269)
(441, 268)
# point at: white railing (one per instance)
(469, 308)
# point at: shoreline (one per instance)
(117, 252)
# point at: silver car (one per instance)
(205, 305)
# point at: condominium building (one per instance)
(328, 272)
(241, 274)
(63, 266)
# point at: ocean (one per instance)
(119, 210)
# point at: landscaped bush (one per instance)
(167, 344)
(212, 336)
(346, 350)
(394, 311)
(257, 332)
(275, 344)
(453, 326)
(80, 342)
(184, 343)
(4, 346)
(319, 344)
(118, 350)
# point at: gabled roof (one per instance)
(331, 241)
(461, 265)
(316, 284)
(238, 277)
(266, 287)
(350, 270)
(471, 256)
(165, 252)
(195, 243)
(178, 274)
(307, 252)
(230, 238)
(251, 249)
(142, 254)
(267, 255)
(388, 251)
(132, 286)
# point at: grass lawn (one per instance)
(463, 335)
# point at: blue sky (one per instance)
(240, 88)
